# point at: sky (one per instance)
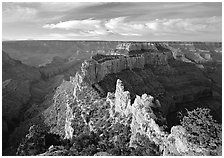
(139, 21)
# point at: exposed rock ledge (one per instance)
(95, 72)
(143, 117)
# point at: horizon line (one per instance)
(23, 40)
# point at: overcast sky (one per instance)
(146, 21)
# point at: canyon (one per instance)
(60, 96)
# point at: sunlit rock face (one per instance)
(100, 66)
(95, 72)
(143, 120)
(122, 98)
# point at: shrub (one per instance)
(145, 147)
(202, 129)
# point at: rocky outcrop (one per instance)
(143, 117)
(122, 99)
(95, 72)
(146, 122)
(68, 122)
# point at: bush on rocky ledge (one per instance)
(202, 129)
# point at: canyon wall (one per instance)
(95, 72)
(17, 79)
(134, 46)
(148, 68)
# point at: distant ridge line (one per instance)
(178, 41)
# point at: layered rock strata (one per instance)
(132, 48)
(95, 72)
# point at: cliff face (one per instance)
(126, 48)
(95, 72)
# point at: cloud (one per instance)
(91, 27)
(164, 26)
(70, 36)
(125, 27)
(193, 25)
(119, 26)
(113, 20)
(75, 24)
(16, 13)
(65, 6)
(86, 27)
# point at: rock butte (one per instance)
(127, 56)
